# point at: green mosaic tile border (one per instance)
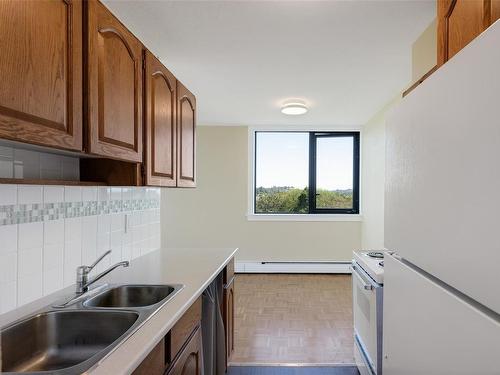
(32, 213)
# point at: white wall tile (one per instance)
(8, 194)
(8, 296)
(126, 193)
(138, 193)
(29, 289)
(116, 194)
(136, 250)
(8, 267)
(117, 222)
(53, 232)
(73, 229)
(103, 194)
(29, 274)
(53, 194)
(52, 280)
(116, 241)
(30, 235)
(72, 194)
(153, 193)
(8, 236)
(30, 262)
(53, 256)
(29, 194)
(89, 193)
(127, 251)
(89, 239)
(72, 259)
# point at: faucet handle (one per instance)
(89, 268)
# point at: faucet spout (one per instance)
(82, 273)
(125, 263)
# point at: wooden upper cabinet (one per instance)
(186, 128)
(160, 123)
(460, 21)
(41, 70)
(495, 10)
(114, 87)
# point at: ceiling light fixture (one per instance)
(294, 108)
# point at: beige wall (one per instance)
(214, 214)
(424, 52)
(373, 146)
(373, 178)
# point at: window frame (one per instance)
(313, 136)
(314, 213)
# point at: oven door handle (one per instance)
(366, 284)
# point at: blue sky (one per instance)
(283, 160)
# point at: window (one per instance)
(306, 173)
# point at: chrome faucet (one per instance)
(82, 273)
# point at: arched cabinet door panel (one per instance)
(186, 129)
(188, 361)
(160, 123)
(114, 87)
(41, 70)
(461, 21)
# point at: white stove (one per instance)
(367, 298)
(372, 262)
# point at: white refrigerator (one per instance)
(442, 207)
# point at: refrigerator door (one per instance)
(442, 172)
(430, 330)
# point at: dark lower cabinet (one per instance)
(228, 308)
(188, 361)
(228, 315)
(154, 363)
(180, 352)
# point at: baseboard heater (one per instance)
(293, 267)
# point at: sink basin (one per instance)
(58, 340)
(131, 296)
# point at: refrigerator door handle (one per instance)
(366, 285)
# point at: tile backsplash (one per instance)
(48, 231)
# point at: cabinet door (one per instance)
(114, 87)
(41, 70)
(495, 10)
(160, 125)
(186, 128)
(189, 360)
(154, 363)
(229, 318)
(459, 22)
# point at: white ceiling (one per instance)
(242, 59)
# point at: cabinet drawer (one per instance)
(189, 360)
(183, 329)
(154, 363)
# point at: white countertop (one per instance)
(194, 267)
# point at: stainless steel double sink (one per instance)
(72, 339)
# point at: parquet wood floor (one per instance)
(283, 318)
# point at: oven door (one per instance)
(367, 313)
